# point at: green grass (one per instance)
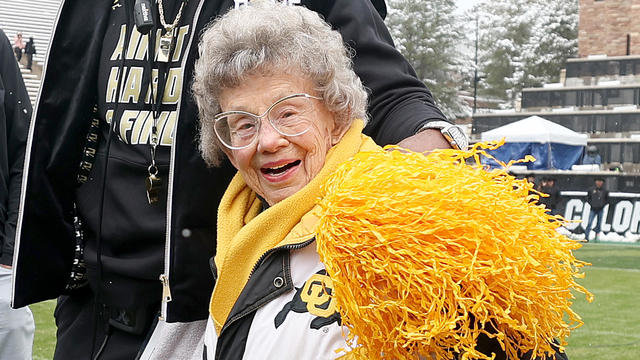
(45, 338)
(611, 328)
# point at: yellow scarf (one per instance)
(245, 233)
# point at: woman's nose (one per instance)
(269, 139)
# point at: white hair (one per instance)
(267, 38)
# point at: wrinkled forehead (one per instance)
(260, 88)
(239, 77)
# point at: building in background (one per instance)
(599, 92)
(609, 28)
(598, 95)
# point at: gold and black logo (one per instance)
(314, 297)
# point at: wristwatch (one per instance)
(453, 133)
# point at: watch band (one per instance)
(453, 133)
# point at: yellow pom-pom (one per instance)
(427, 253)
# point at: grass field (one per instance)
(612, 322)
(45, 338)
(611, 328)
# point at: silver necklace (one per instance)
(166, 40)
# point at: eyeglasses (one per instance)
(289, 116)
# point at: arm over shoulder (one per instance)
(399, 103)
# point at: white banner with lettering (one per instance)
(621, 215)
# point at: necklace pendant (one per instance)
(164, 49)
(153, 184)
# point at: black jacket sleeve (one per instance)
(15, 111)
(399, 103)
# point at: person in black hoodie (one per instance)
(148, 204)
(598, 198)
(16, 325)
(549, 187)
(29, 51)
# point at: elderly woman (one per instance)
(277, 96)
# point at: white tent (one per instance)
(554, 146)
(536, 129)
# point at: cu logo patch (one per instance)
(315, 298)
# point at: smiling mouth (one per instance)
(275, 171)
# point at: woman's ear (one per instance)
(338, 133)
(341, 127)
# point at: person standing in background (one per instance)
(549, 187)
(531, 178)
(18, 46)
(16, 325)
(598, 198)
(592, 157)
(29, 50)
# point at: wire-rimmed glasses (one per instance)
(290, 116)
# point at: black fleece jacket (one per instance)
(15, 111)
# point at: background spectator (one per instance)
(592, 157)
(18, 46)
(597, 197)
(29, 50)
(548, 186)
(532, 179)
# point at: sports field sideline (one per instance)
(612, 322)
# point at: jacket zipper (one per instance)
(164, 277)
(27, 158)
(283, 247)
(257, 264)
(166, 292)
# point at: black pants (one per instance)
(76, 318)
(29, 61)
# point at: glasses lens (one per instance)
(292, 116)
(236, 130)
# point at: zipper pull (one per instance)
(166, 290)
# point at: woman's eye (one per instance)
(287, 113)
(243, 125)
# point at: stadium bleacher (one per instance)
(33, 19)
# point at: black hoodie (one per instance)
(15, 111)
